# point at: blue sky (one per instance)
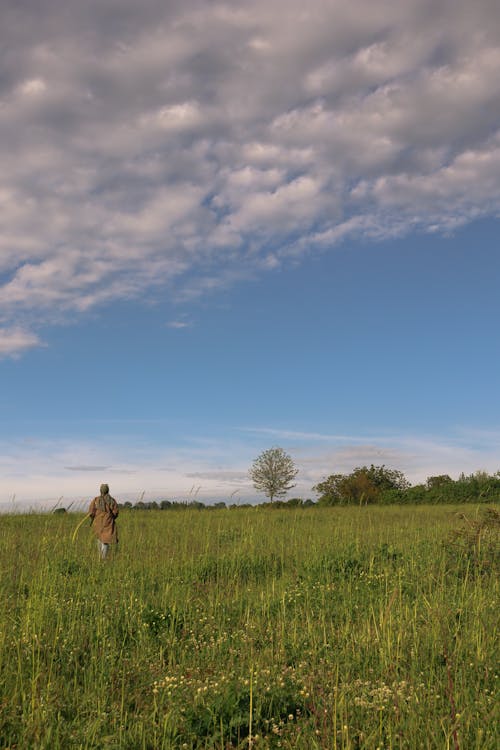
(220, 235)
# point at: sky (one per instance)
(229, 226)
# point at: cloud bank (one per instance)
(38, 472)
(176, 147)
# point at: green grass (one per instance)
(339, 628)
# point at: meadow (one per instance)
(339, 628)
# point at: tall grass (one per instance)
(342, 628)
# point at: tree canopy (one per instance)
(362, 486)
(273, 473)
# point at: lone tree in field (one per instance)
(273, 473)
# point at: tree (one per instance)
(273, 473)
(362, 486)
(330, 490)
(438, 481)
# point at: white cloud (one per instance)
(145, 144)
(43, 470)
(292, 205)
(417, 456)
(178, 324)
(39, 470)
(14, 341)
(180, 116)
(33, 86)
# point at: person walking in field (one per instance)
(103, 511)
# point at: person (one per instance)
(103, 511)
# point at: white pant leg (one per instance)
(103, 549)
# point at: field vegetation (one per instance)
(345, 628)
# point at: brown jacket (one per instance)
(103, 518)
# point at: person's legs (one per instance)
(103, 549)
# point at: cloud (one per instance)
(304, 437)
(178, 324)
(223, 476)
(183, 146)
(38, 470)
(417, 456)
(86, 468)
(15, 341)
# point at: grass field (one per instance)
(341, 628)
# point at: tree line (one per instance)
(273, 473)
(377, 484)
